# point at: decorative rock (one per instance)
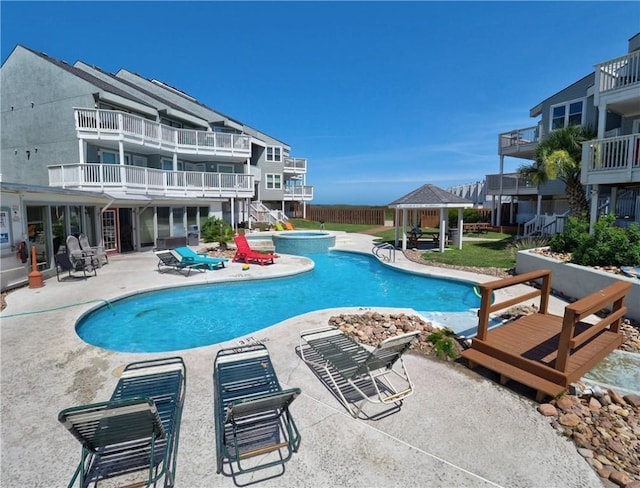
(616, 398)
(567, 402)
(620, 479)
(569, 419)
(547, 410)
(633, 400)
(585, 453)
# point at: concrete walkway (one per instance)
(458, 429)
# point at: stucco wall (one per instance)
(578, 281)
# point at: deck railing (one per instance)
(512, 184)
(519, 137)
(299, 192)
(140, 180)
(619, 72)
(113, 124)
(295, 165)
(612, 154)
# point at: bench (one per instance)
(544, 351)
(475, 228)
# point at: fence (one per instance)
(376, 215)
(346, 215)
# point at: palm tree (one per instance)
(559, 156)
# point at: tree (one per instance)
(559, 156)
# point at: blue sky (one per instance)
(380, 97)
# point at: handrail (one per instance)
(385, 246)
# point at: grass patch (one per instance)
(483, 254)
(312, 224)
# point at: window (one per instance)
(225, 168)
(274, 153)
(107, 157)
(570, 113)
(273, 182)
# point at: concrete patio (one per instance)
(458, 429)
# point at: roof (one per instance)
(430, 196)
(97, 82)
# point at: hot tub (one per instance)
(303, 242)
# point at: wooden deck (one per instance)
(545, 351)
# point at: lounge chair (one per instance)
(170, 259)
(190, 256)
(132, 438)
(289, 226)
(251, 412)
(98, 251)
(355, 371)
(77, 255)
(279, 226)
(246, 254)
(63, 263)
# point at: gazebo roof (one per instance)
(430, 196)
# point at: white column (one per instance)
(460, 228)
(595, 191)
(404, 229)
(443, 228)
(499, 213)
(81, 151)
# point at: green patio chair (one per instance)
(251, 412)
(169, 259)
(133, 437)
(363, 375)
(190, 256)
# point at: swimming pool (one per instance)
(201, 315)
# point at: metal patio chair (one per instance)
(132, 438)
(356, 372)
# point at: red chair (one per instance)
(246, 254)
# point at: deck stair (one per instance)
(543, 351)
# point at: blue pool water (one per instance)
(188, 317)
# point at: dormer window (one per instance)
(274, 154)
(566, 114)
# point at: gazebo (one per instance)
(429, 197)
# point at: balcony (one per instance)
(296, 166)
(112, 126)
(136, 180)
(298, 193)
(512, 184)
(612, 160)
(519, 143)
(618, 84)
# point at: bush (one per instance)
(216, 230)
(527, 243)
(575, 233)
(609, 245)
(469, 215)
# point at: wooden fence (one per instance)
(376, 215)
(346, 215)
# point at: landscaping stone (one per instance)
(604, 425)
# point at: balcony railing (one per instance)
(619, 72)
(116, 125)
(512, 184)
(295, 165)
(519, 142)
(138, 180)
(613, 158)
(298, 192)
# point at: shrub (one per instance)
(609, 245)
(527, 243)
(216, 230)
(468, 215)
(575, 233)
(444, 343)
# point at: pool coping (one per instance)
(46, 367)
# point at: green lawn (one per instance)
(495, 253)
